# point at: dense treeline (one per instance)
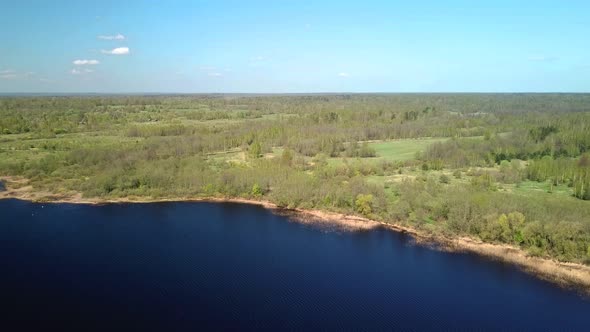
(549, 225)
(556, 151)
(363, 117)
(568, 135)
(574, 172)
(315, 151)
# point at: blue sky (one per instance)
(294, 46)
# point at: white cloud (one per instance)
(344, 74)
(7, 71)
(85, 62)
(215, 74)
(115, 37)
(117, 51)
(76, 71)
(44, 80)
(8, 76)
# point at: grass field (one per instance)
(394, 150)
(538, 188)
(402, 149)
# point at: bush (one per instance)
(287, 157)
(364, 204)
(256, 190)
(484, 181)
(255, 150)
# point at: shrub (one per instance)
(364, 204)
(255, 150)
(444, 179)
(256, 190)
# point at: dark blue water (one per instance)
(190, 266)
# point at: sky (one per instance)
(176, 46)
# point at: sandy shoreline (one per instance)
(570, 275)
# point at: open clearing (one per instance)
(402, 149)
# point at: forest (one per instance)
(503, 168)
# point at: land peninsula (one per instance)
(503, 175)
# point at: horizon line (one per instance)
(49, 94)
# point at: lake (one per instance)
(226, 266)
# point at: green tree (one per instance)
(256, 190)
(366, 151)
(287, 157)
(255, 150)
(364, 204)
(504, 228)
(511, 226)
(516, 221)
